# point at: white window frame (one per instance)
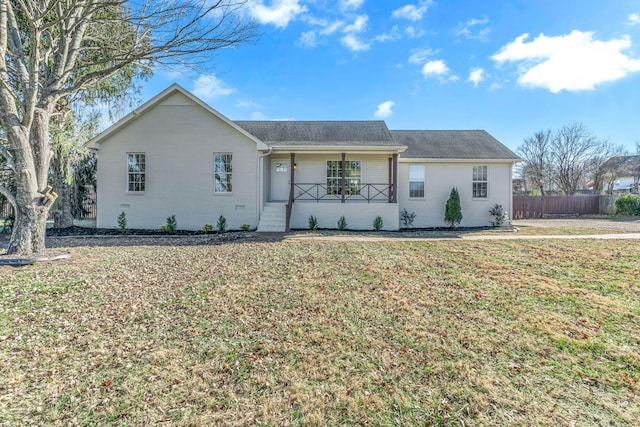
(228, 175)
(478, 177)
(414, 180)
(137, 186)
(353, 183)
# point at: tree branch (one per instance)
(11, 198)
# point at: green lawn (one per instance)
(325, 333)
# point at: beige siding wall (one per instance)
(440, 178)
(178, 139)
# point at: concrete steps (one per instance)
(273, 218)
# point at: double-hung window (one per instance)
(352, 175)
(136, 172)
(480, 182)
(222, 172)
(416, 181)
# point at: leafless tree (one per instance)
(602, 178)
(536, 163)
(573, 148)
(54, 49)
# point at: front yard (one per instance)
(325, 333)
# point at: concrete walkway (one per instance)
(343, 238)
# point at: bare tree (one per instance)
(50, 50)
(573, 147)
(536, 164)
(602, 178)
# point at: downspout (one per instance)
(510, 193)
(260, 192)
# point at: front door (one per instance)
(280, 179)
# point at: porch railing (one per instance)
(377, 193)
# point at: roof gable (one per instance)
(452, 144)
(173, 95)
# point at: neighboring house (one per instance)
(622, 174)
(176, 155)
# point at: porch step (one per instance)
(273, 218)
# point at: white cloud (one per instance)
(331, 27)
(412, 12)
(413, 33)
(633, 19)
(419, 56)
(476, 76)
(571, 62)
(438, 69)
(384, 110)
(307, 39)
(466, 29)
(208, 86)
(354, 44)
(280, 13)
(358, 26)
(350, 4)
(394, 35)
(258, 115)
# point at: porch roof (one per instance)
(319, 134)
(452, 144)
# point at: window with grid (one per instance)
(480, 182)
(352, 174)
(136, 171)
(222, 172)
(416, 181)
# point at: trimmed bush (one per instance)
(378, 223)
(342, 223)
(406, 218)
(627, 204)
(453, 210)
(221, 225)
(122, 223)
(499, 215)
(313, 223)
(171, 226)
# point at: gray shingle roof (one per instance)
(452, 144)
(331, 133)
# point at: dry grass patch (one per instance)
(325, 333)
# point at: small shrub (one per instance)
(313, 223)
(342, 223)
(378, 223)
(499, 215)
(122, 223)
(406, 218)
(453, 210)
(245, 227)
(207, 228)
(627, 204)
(171, 226)
(221, 225)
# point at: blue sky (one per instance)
(509, 67)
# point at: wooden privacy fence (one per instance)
(537, 206)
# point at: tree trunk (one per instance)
(63, 218)
(29, 230)
(33, 197)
